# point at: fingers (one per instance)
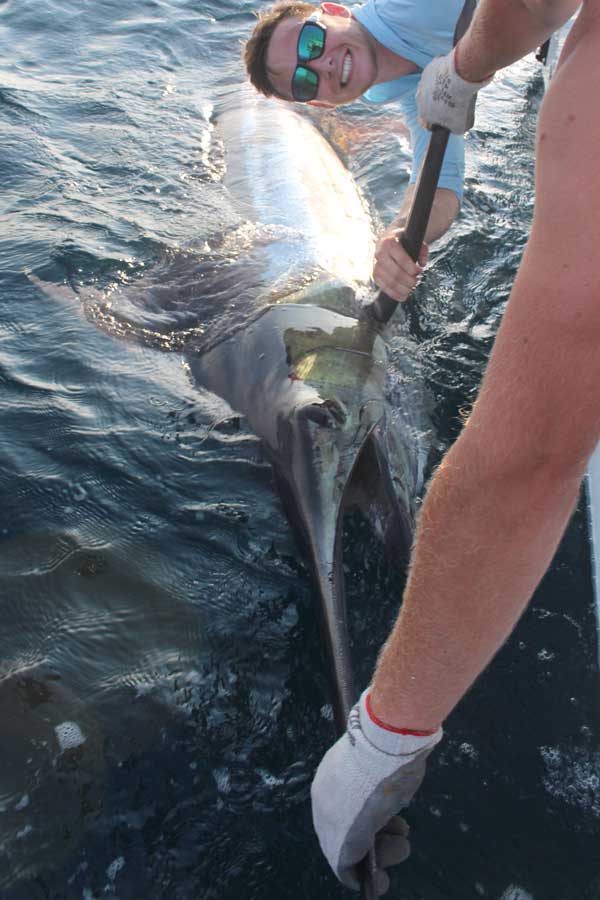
(396, 825)
(382, 882)
(393, 270)
(391, 848)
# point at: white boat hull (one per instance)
(592, 480)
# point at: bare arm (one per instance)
(443, 212)
(501, 499)
(503, 31)
(394, 271)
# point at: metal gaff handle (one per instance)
(366, 871)
(420, 210)
(412, 239)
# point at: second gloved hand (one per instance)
(362, 782)
(444, 98)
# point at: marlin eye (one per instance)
(329, 414)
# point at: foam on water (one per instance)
(573, 777)
(469, 750)
(115, 867)
(69, 735)
(514, 892)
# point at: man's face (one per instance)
(346, 69)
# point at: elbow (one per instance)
(556, 467)
(531, 462)
(451, 205)
(567, 461)
(446, 207)
(547, 469)
(552, 13)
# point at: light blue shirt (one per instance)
(418, 30)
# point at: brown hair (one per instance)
(255, 49)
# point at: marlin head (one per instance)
(312, 383)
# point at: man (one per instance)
(329, 56)
(501, 499)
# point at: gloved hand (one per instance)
(362, 782)
(444, 98)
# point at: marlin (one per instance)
(307, 367)
(295, 352)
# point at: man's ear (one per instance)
(336, 9)
(322, 104)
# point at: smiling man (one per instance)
(331, 55)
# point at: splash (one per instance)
(573, 777)
(69, 735)
(514, 892)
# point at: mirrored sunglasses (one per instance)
(311, 45)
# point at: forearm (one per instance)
(394, 271)
(485, 538)
(503, 31)
(444, 210)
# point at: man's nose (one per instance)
(323, 65)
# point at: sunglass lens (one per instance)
(305, 84)
(311, 41)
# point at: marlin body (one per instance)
(306, 371)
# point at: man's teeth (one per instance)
(346, 69)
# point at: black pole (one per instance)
(366, 871)
(413, 235)
(418, 218)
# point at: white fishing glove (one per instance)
(362, 782)
(444, 98)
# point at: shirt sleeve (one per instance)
(453, 167)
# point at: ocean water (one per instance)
(163, 692)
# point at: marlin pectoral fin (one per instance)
(61, 292)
